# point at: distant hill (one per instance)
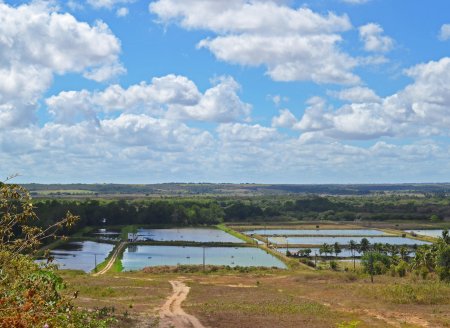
(187, 189)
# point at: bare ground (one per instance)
(171, 313)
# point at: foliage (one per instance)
(18, 230)
(375, 263)
(334, 265)
(350, 324)
(30, 292)
(426, 293)
(434, 258)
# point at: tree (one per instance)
(326, 249)
(404, 252)
(375, 263)
(337, 249)
(364, 245)
(353, 246)
(29, 292)
(435, 218)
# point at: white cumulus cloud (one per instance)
(356, 94)
(374, 40)
(107, 3)
(285, 120)
(444, 33)
(171, 96)
(421, 109)
(122, 12)
(293, 44)
(36, 42)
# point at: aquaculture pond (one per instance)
(137, 257)
(81, 255)
(106, 234)
(431, 233)
(203, 235)
(316, 232)
(344, 240)
(344, 252)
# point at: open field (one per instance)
(275, 298)
(299, 296)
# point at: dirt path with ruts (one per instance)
(111, 260)
(171, 313)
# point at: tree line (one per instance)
(381, 258)
(207, 211)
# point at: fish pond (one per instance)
(317, 232)
(344, 252)
(344, 240)
(80, 255)
(105, 234)
(430, 233)
(203, 235)
(136, 257)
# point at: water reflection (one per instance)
(80, 255)
(176, 255)
(318, 232)
(187, 234)
(344, 240)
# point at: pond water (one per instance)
(344, 240)
(431, 233)
(318, 232)
(344, 252)
(80, 255)
(105, 234)
(137, 257)
(203, 235)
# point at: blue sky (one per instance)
(265, 91)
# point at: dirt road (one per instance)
(171, 313)
(111, 260)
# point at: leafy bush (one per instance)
(334, 265)
(30, 292)
(401, 268)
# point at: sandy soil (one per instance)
(111, 260)
(171, 313)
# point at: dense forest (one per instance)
(209, 210)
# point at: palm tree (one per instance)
(353, 246)
(337, 249)
(404, 252)
(326, 249)
(364, 246)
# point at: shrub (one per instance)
(30, 292)
(334, 265)
(401, 268)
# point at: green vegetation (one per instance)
(219, 295)
(236, 234)
(30, 294)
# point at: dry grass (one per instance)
(277, 298)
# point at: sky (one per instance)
(233, 91)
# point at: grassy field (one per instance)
(297, 297)
(270, 298)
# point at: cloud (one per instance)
(285, 120)
(122, 12)
(245, 133)
(293, 44)
(372, 36)
(421, 109)
(444, 33)
(356, 95)
(171, 96)
(36, 42)
(109, 4)
(356, 2)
